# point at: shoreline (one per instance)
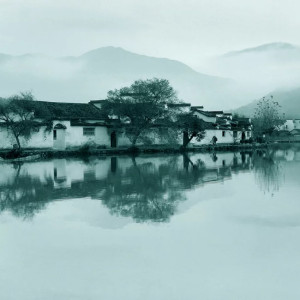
(80, 152)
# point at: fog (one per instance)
(197, 33)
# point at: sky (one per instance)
(185, 30)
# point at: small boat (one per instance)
(21, 159)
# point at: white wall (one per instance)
(288, 125)
(297, 124)
(40, 139)
(74, 137)
(209, 134)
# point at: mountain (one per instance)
(276, 48)
(289, 101)
(259, 70)
(93, 74)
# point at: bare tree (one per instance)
(267, 116)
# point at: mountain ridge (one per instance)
(275, 46)
(92, 74)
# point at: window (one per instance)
(223, 133)
(248, 133)
(235, 134)
(54, 134)
(88, 131)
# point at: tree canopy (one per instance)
(142, 107)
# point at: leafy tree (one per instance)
(192, 127)
(16, 113)
(267, 116)
(142, 107)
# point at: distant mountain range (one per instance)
(93, 74)
(242, 76)
(271, 47)
(267, 69)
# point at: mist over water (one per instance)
(214, 225)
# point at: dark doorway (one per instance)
(243, 136)
(113, 139)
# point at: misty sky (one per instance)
(186, 30)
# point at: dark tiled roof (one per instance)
(179, 105)
(62, 110)
(197, 107)
(209, 125)
(98, 101)
(295, 132)
(242, 120)
(209, 113)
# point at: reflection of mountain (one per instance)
(143, 188)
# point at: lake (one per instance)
(195, 226)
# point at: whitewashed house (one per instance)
(74, 124)
(291, 126)
(77, 124)
(223, 126)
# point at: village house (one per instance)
(223, 126)
(78, 124)
(74, 124)
(290, 127)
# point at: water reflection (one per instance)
(146, 188)
(267, 170)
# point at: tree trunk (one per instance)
(17, 140)
(187, 139)
(134, 141)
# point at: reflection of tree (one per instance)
(267, 170)
(145, 191)
(24, 195)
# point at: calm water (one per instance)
(203, 226)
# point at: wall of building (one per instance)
(74, 137)
(290, 125)
(40, 139)
(296, 124)
(227, 139)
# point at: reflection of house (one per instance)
(149, 188)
